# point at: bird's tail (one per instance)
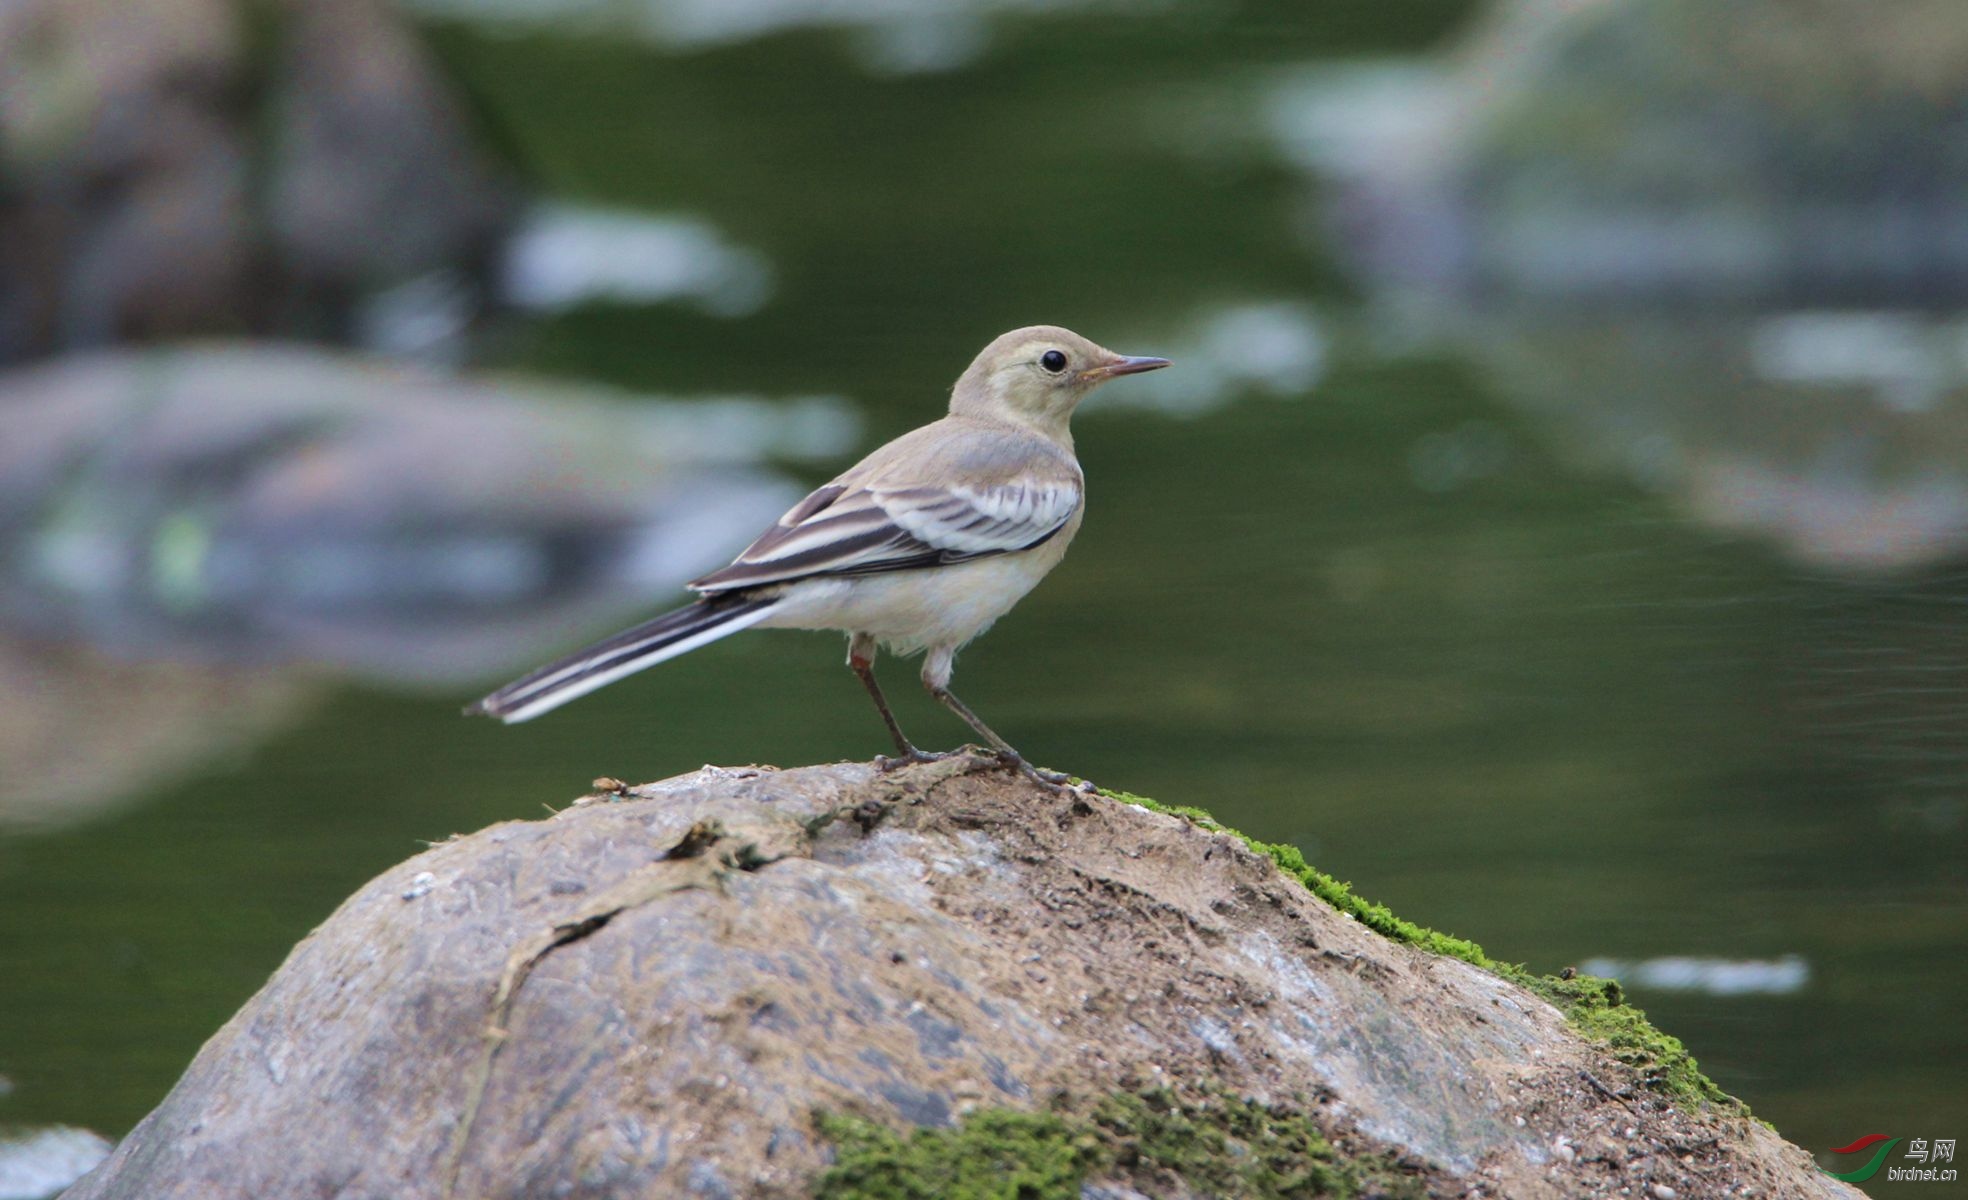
(647, 644)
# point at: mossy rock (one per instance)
(938, 981)
(1595, 1007)
(1153, 1142)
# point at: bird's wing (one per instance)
(844, 529)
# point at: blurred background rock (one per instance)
(195, 167)
(1719, 245)
(175, 523)
(268, 503)
(191, 534)
(1555, 523)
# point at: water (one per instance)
(1353, 591)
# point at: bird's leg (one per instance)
(1011, 757)
(861, 660)
(936, 677)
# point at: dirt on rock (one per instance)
(657, 991)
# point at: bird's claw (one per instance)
(1013, 761)
(884, 763)
(1009, 760)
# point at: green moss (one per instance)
(1595, 1007)
(993, 1155)
(1225, 1145)
(1213, 1145)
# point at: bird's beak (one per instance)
(1122, 366)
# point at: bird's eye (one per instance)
(1053, 360)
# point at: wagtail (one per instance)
(918, 547)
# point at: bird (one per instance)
(918, 548)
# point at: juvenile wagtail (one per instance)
(918, 547)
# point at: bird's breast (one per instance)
(932, 606)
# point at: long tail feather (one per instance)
(647, 644)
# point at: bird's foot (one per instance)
(1013, 761)
(884, 763)
(983, 758)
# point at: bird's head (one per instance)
(1037, 376)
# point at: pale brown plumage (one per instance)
(919, 547)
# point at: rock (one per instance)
(376, 176)
(274, 504)
(698, 987)
(37, 1163)
(1669, 228)
(185, 167)
(1703, 409)
(194, 540)
(1680, 152)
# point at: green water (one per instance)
(1539, 710)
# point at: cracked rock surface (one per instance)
(652, 992)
